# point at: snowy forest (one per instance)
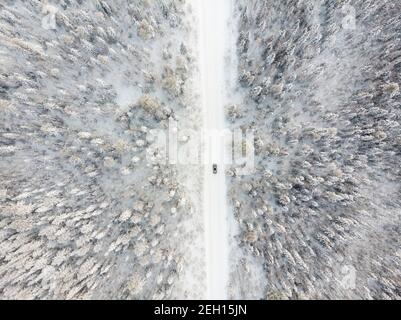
(97, 97)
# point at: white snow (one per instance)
(213, 35)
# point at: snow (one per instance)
(213, 44)
(87, 211)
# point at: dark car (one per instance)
(215, 169)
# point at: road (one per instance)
(213, 35)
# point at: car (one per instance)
(215, 169)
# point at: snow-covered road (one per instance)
(213, 35)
